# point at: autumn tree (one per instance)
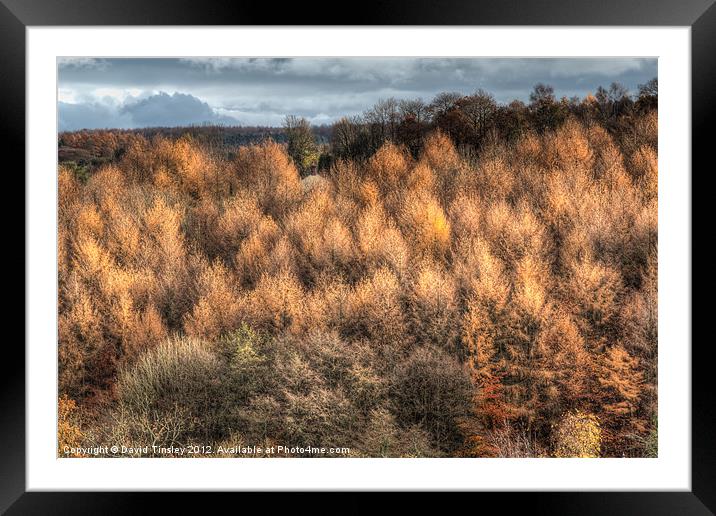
(620, 385)
(69, 435)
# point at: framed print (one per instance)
(439, 249)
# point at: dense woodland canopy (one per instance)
(446, 278)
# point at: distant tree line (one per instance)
(470, 121)
(473, 120)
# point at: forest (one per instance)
(453, 278)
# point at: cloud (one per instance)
(262, 91)
(117, 94)
(82, 63)
(173, 110)
(253, 64)
(90, 115)
(162, 109)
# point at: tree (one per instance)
(545, 110)
(410, 133)
(444, 102)
(447, 115)
(648, 97)
(612, 102)
(416, 108)
(414, 117)
(383, 119)
(301, 143)
(349, 139)
(650, 89)
(480, 109)
(512, 120)
(432, 389)
(542, 94)
(620, 99)
(69, 435)
(620, 381)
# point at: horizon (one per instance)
(145, 93)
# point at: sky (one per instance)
(145, 92)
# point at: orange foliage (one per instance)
(69, 435)
(530, 266)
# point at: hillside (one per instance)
(445, 288)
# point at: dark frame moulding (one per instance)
(16, 15)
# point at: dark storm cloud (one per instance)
(262, 91)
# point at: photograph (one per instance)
(357, 257)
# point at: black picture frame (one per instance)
(16, 15)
